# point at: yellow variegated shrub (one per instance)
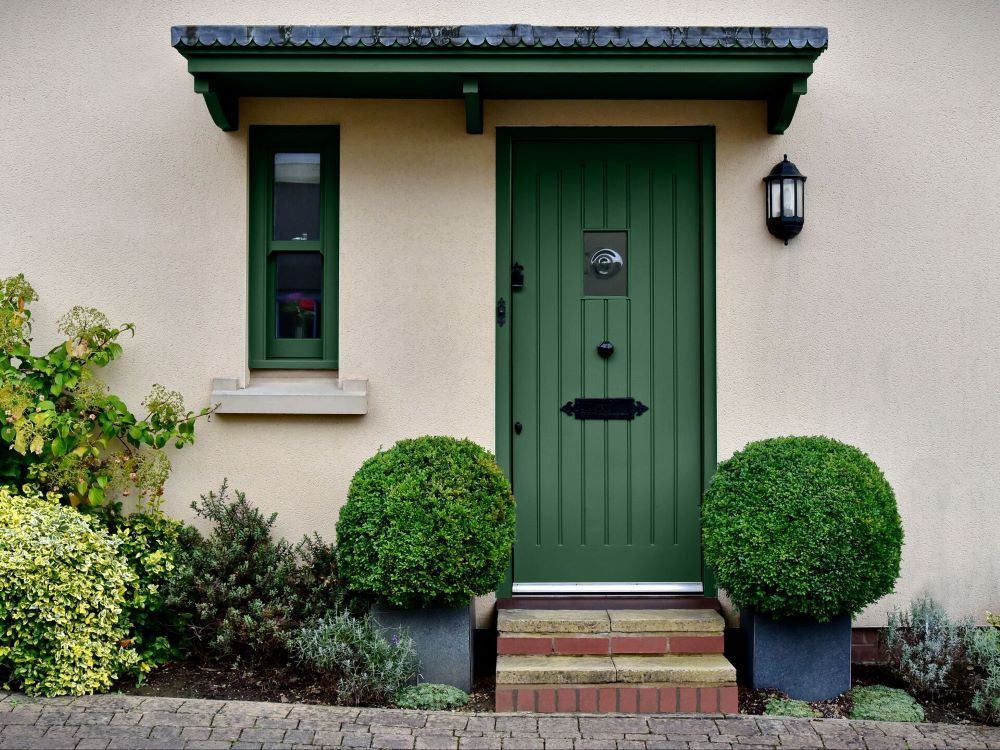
(62, 587)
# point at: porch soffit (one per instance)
(501, 62)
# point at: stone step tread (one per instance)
(571, 670)
(559, 621)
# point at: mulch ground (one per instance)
(234, 682)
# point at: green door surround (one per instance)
(475, 63)
(705, 139)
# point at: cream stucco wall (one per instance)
(879, 325)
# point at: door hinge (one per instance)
(501, 311)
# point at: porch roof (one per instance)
(501, 62)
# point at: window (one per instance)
(293, 247)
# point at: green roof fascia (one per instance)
(775, 75)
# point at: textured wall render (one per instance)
(879, 325)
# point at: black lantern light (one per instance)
(785, 200)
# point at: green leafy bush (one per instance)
(62, 592)
(429, 522)
(365, 667)
(790, 707)
(149, 542)
(431, 696)
(249, 593)
(923, 646)
(984, 649)
(61, 430)
(785, 522)
(880, 703)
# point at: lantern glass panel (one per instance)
(788, 197)
(800, 189)
(774, 207)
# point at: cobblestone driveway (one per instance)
(104, 722)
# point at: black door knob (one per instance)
(605, 349)
(518, 427)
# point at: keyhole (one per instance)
(605, 349)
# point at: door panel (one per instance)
(615, 500)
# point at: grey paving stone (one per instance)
(100, 731)
(301, 736)
(609, 727)
(327, 737)
(323, 713)
(247, 746)
(270, 722)
(317, 725)
(22, 715)
(201, 705)
(480, 743)
(162, 704)
(233, 719)
(522, 743)
(560, 727)
(262, 735)
(875, 742)
(516, 724)
(446, 721)
(668, 745)
(92, 744)
(392, 718)
(663, 725)
(630, 744)
(559, 743)
(165, 733)
(108, 702)
(125, 718)
(356, 740)
(843, 742)
(257, 708)
(37, 743)
(53, 715)
(591, 744)
(23, 730)
(480, 724)
(174, 719)
(207, 745)
(390, 729)
(225, 734)
(739, 727)
(61, 731)
(392, 742)
(427, 741)
(758, 740)
(196, 733)
(146, 744)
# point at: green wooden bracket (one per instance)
(781, 108)
(473, 106)
(223, 106)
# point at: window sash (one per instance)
(266, 350)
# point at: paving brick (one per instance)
(325, 737)
(262, 735)
(526, 646)
(555, 728)
(480, 743)
(174, 719)
(92, 744)
(436, 742)
(620, 726)
(356, 740)
(661, 725)
(559, 743)
(393, 742)
(522, 743)
(207, 745)
(162, 704)
(744, 727)
(165, 733)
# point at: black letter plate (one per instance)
(604, 408)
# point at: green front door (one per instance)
(608, 233)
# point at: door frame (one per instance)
(704, 136)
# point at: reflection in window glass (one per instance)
(296, 196)
(298, 295)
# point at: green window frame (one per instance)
(266, 349)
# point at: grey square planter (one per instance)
(442, 636)
(803, 658)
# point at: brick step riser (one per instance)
(618, 699)
(605, 645)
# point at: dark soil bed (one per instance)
(952, 710)
(190, 679)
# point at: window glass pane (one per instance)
(298, 295)
(296, 196)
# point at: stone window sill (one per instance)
(273, 393)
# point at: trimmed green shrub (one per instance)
(802, 526)
(431, 696)
(429, 522)
(363, 665)
(881, 703)
(62, 591)
(790, 707)
(984, 648)
(923, 646)
(249, 593)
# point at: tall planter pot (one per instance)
(443, 639)
(803, 658)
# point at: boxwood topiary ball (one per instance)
(802, 526)
(429, 522)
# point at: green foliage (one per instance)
(880, 703)
(429, 522)
(249, 593)
(430, 696)
(149, 542)
(923, 646)
(365, 667)
(785, 521)
(984, 650)
(63, 585)
(61, 430)
(790, 707)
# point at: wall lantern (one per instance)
(784, 200)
